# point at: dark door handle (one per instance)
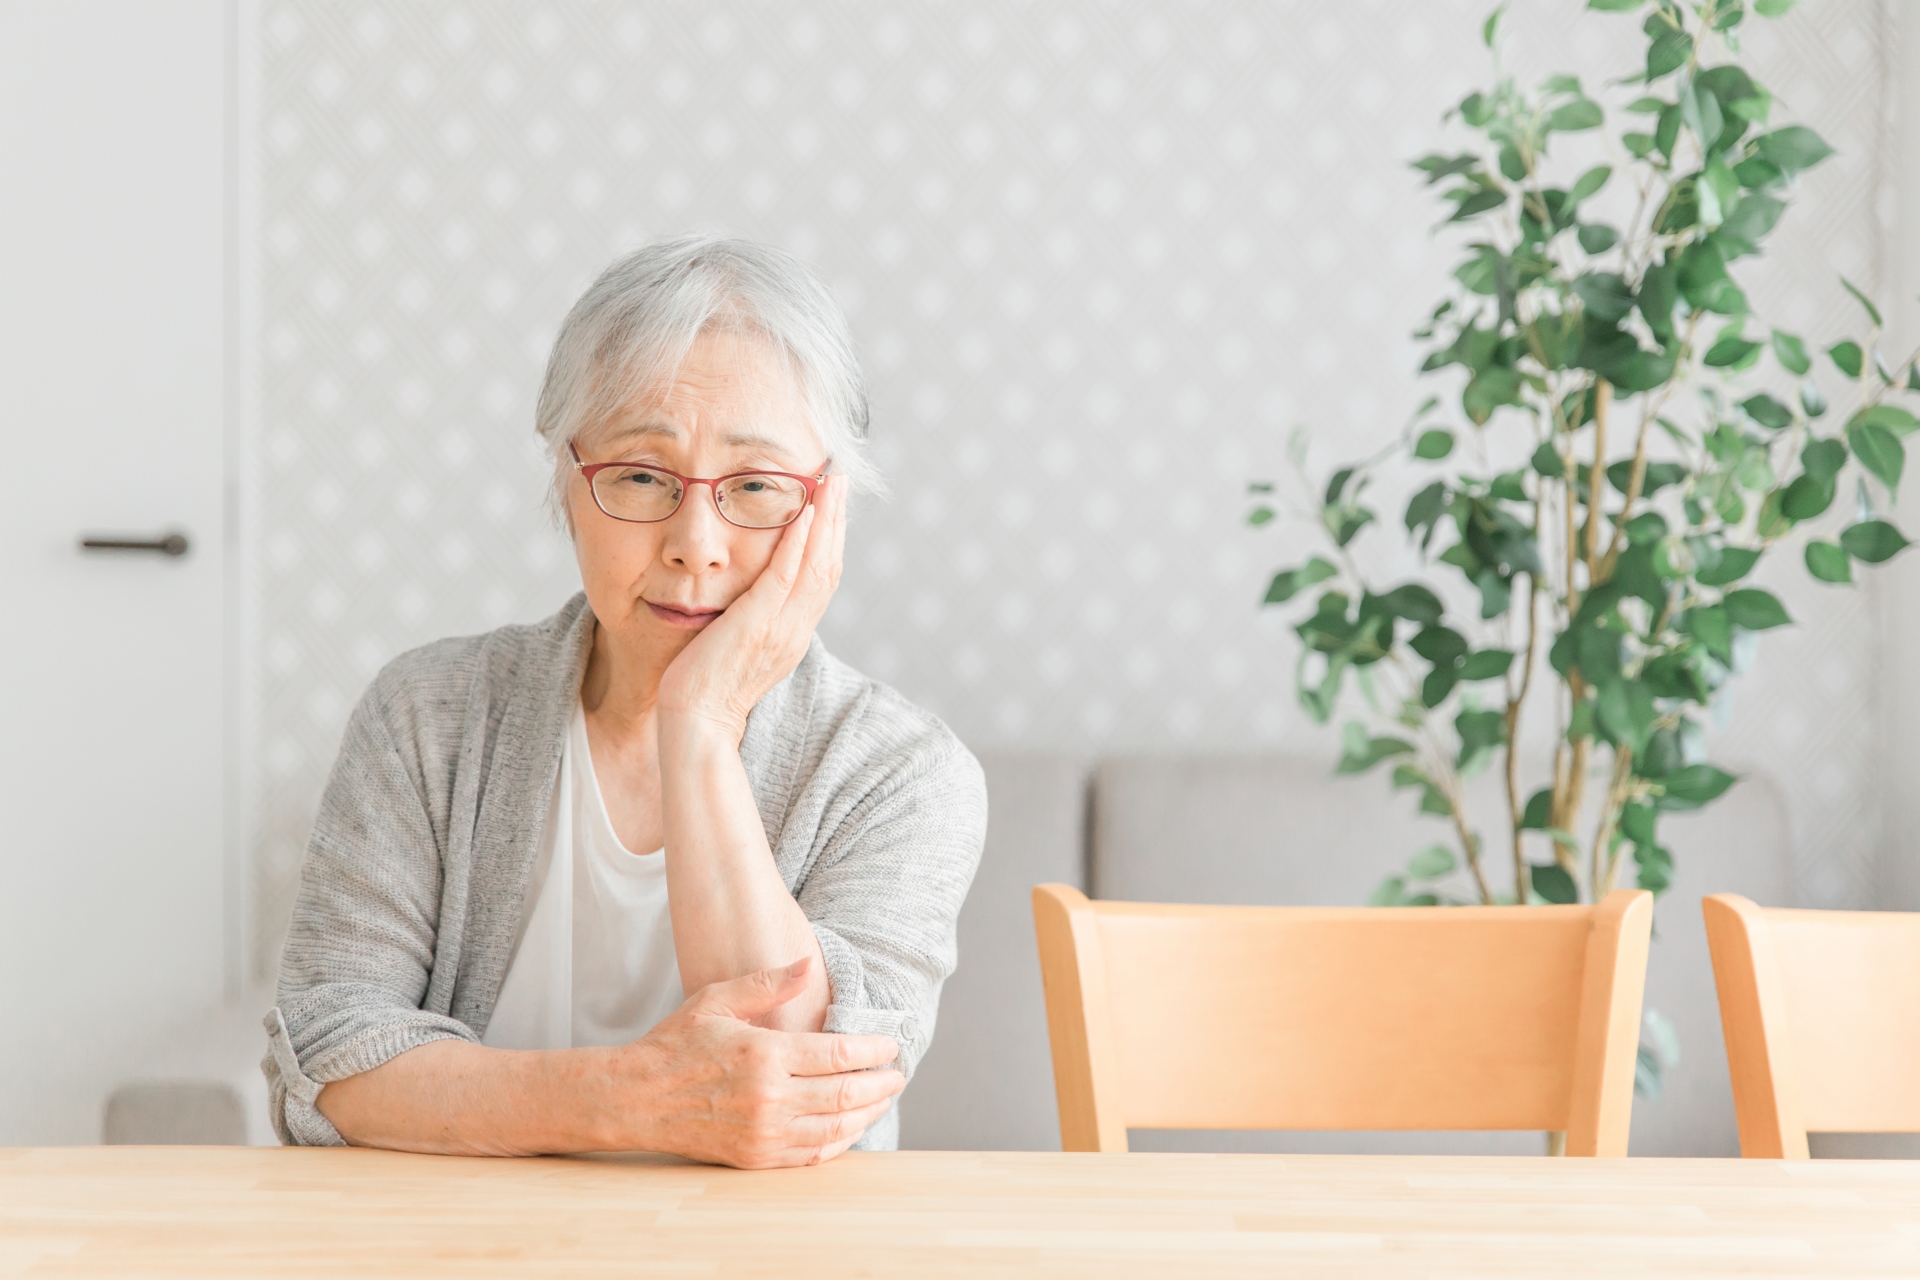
(172, 544)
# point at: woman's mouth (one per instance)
(674, 617)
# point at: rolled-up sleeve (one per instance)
(884, 898)
(360, 945)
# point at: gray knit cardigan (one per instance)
(416, 876)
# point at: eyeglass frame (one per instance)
(589, 469)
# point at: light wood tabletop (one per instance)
(232, 1211)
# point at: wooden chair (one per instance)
(1188, 1017)
(1822, 1020)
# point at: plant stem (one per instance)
(1515, 701)
(1601, 882)
(1596, 480)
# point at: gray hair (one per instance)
(631, 330)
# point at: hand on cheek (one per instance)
(760, 639)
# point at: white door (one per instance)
(112, 397)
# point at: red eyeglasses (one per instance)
(643, 494)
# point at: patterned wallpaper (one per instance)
(1100, 257)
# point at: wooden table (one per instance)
(230, 1211)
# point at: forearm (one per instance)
(452, 1097)
(732, 913)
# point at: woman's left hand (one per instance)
(762, 635)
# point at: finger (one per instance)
(823, 1053)
(819, 572)
(851, 1091)
(791, 554)
(754, 995)
(840, 523)
(840, 1127)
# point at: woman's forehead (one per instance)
(731, 391)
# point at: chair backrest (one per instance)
(1822, 1019)
(1204, 1017)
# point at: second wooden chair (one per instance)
(1198, 1017)
(1822, 1020)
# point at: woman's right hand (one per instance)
(713, 1087)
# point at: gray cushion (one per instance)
(987, 1082)
(1251, 829)
(173, 1113)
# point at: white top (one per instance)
(593, 963)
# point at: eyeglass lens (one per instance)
(757, 500)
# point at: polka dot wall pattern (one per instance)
(1099, 258)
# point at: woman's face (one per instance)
(733, 408)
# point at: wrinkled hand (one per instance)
(761, 637)
(721, 1090)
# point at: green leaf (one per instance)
(1391, 892)
(1812, 400)
(1655, 870)
(1693, 786)
(1554, 884)
(1847, 357)
(1426, 506)
(1441, 646)
(1657, 476)
(1879, 451)
(1793, 149)
(1259, 516)
(1596, 237)
(1480, 732)
(1605, 294)
(1872, 541)
(1636, 822)
(1491, 27)
(1581, 114)
(1829, 563)
(1734, 564)
(1433, 861)
(1487, 664)
(1791, 352)
(1713, 629)
(1768, 412)
(1807, 497)
(1752, 218)
(1648, 526)
(1729, 351)
(1668, 53)
(1437, 684)
(1625, 711)
(1433, 444)
(1478, 203)
(1548, 463)
(1591, 181)
(1772, 8)
(1873, 312)
(1615, 6)
(1754, 609)
(1413, 602)
(1362, 753)
(1823, 459)
(1290, 583)
(1539, 809)
(1892, 417)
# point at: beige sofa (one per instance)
(1273, 829)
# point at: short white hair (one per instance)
(632, 329)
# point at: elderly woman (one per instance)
(658, 873)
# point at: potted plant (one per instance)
(1628, 442)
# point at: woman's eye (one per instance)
(753, 486)
(643, 477)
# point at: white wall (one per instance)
(1899, 597)
(1095, 255)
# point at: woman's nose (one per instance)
(696, 533)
